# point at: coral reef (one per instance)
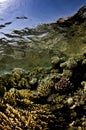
(62, 85)
(45, 99)
(53, 97)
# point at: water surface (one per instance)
(23, 41)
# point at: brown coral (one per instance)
(62, 85)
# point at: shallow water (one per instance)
(25, 45)
(28, 48)
(18, 45)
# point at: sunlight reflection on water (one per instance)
(4, 5)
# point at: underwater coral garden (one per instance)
(45, 98)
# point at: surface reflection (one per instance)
(24, 41)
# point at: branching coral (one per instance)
(43, 100)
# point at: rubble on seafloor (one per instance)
(45, 98)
